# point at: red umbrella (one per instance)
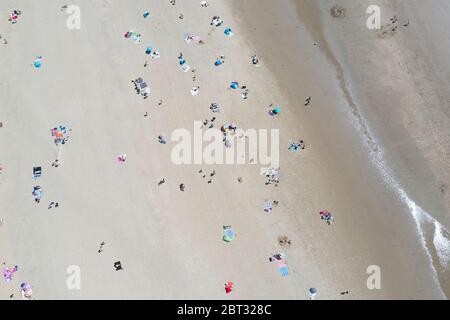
(229, 287)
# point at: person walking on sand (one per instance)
(161, 181)
(308, 101)
(100, 250)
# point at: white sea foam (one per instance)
(441, 236)
(441, 242)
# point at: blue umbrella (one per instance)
(146, 14)
(312, 290)
(37, 63)
(234, 85)
(218, 62)
(276, 110)
(228, 32)
(148, 50)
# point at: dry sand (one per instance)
(169, 242)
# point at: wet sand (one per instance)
(168, 241)
(402, 170)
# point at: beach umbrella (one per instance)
(277, 110)
(228, 234)
(218, 62)
(234, 85)
(37, 63)
(228, 32)
(148, 50)
(146, 14)
(312, 290)
(229, 287)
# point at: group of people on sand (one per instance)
(141, 87)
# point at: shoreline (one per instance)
(406, 168)
(311, 16)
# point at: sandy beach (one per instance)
(376, 133)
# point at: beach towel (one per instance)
(196, 38)
(185, 68)
(194, 91)
(268, 206)
(155, 55)
(8, 273)
(282, 267)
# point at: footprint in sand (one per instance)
(387, 31)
